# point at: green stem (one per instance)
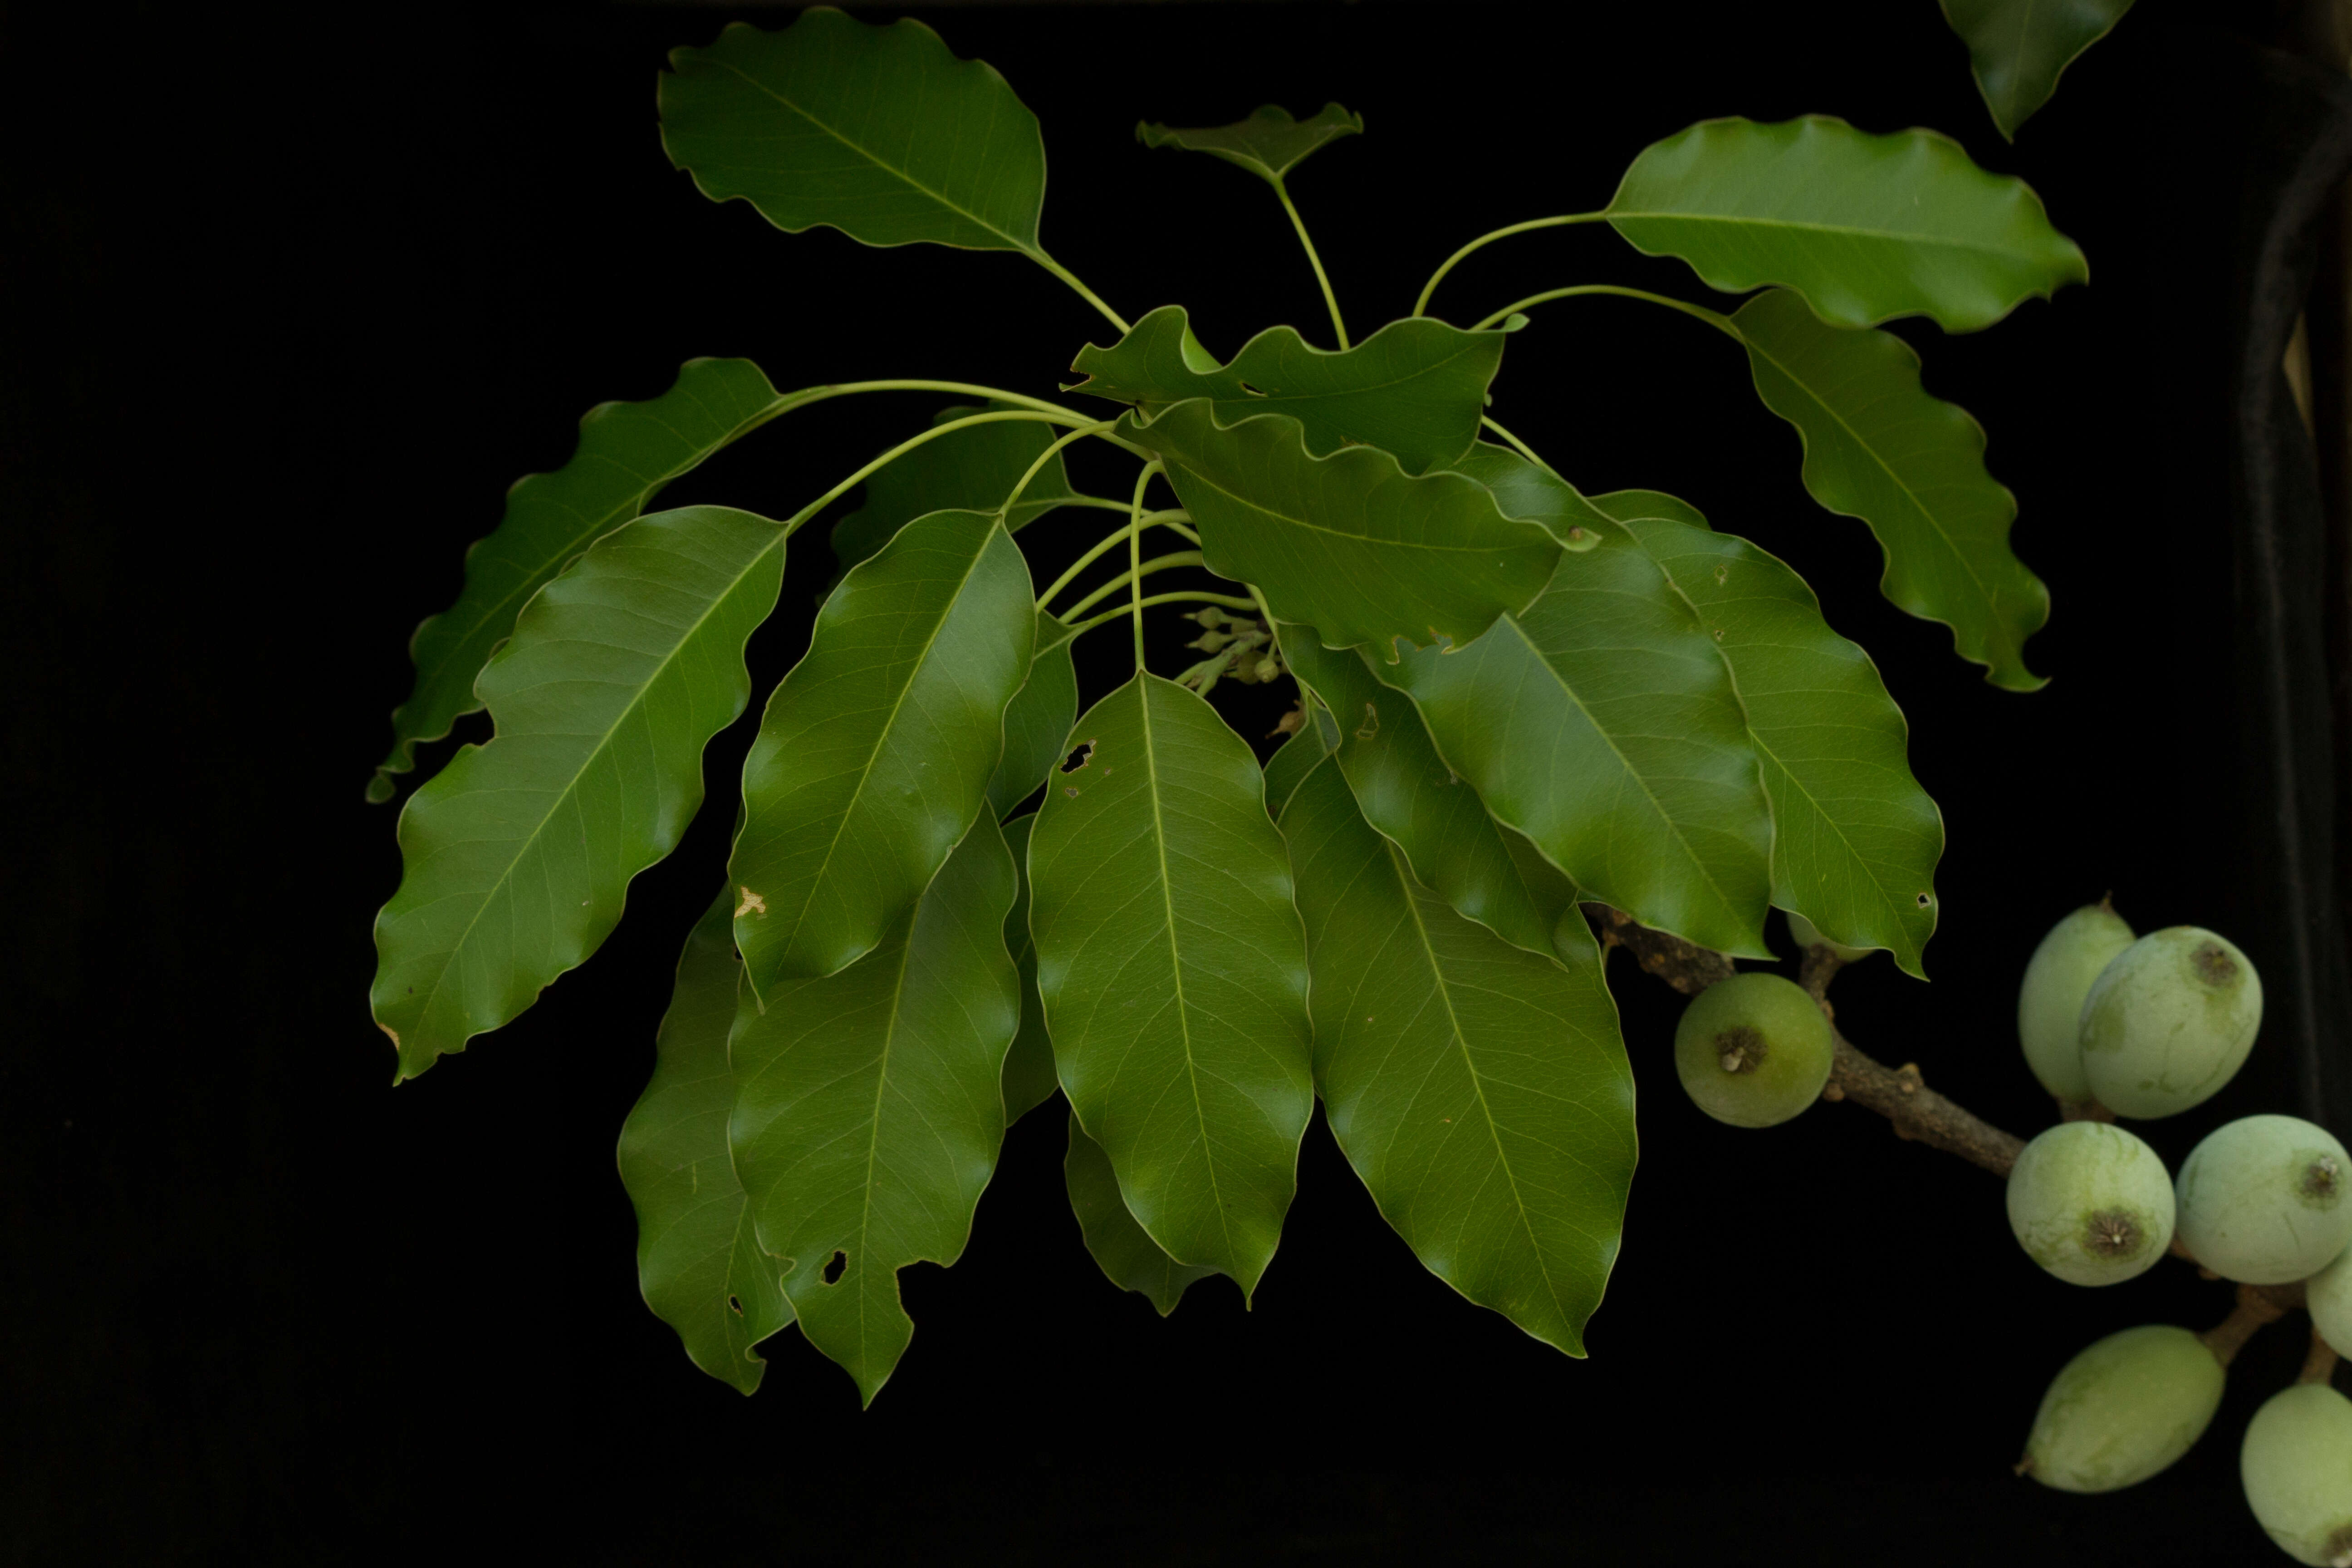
(1721, 323)
(1421, 305)
(1104, 546)
(1134, 555)
(997, 416)
(1047, 457)
(1230, 601)
(1157, 564)
(1523, 448)
(1088, 295)
(1331, 302)
(1101, 503)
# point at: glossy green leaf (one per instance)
(517, 858)
(1310, 745)
(1348, 544)
(1855, 838)
(868, 1113)
(1028, 1079)
(1416, 389)
(1531, 492)
(2019, 48)
(1406, 792)
(1912, 466)
(1037, 721)
(971, 470)
(1865, 227)
(627, 452)
(878, 748)
(1173, 972)
(1269, 144)
(1481, 1091)
(1127, 1257)
(1602, 724)
(877, 132)
(699, 1263)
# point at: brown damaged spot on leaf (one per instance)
(752, 904)
(1079, 757)
(1371, 724)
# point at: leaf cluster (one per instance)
(952, 894)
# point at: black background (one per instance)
(287, 306)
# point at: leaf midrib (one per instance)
(1025, 245)
(1301, 522)
(1176, 962)
(882, 736)
(572, 785)
(2016, 651)
(1477, 1082)
(1848, 230)
(1674, 829)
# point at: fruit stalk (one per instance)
(2256, 1308)
(2320, 1364)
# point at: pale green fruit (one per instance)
(1753, 1050)
(2123, 1410)
(2297, 1466)
(2050, 1003)
(2329, 1296)
(2169, 1022)
(2091, 1202)
(1805, 933)
(2263, 1200)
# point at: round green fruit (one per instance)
(1753, 1050)
(2297, 1464)
(2123, 1410)
(2169, 1022)
(2091, 1202)
(2265, 1200)
(2329, 1296)
(2057, 979)
(1805, 934)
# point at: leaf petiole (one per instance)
(999, 417)
(1331, 302)
(1230, 601)
(1421, 305)
(1134, 556)
(1088, 295)
(1157, 564)
(1047, 457)
(1174, 519)
(1720, 322)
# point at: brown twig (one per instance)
(1687, 967)
(2255, 1309)
(2320, 1364)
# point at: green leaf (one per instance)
(1349, 544)
(867, 1110)
(971, 470)
(878, 748)
(1037, 721)
(517, 858)
(1173, 973)
(1481, 1091)
(1866, 227)
(1877, 446)
(1855, 838)
(1406, 792)
(1028, 1078)
(1530, 491)
(1306, 746)
(699, 1264)
(877, 132)
(1602, 724)
(1127, 1257)
(2019, 48)
(1269, 144)
(1416, 389)
(627, 452)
